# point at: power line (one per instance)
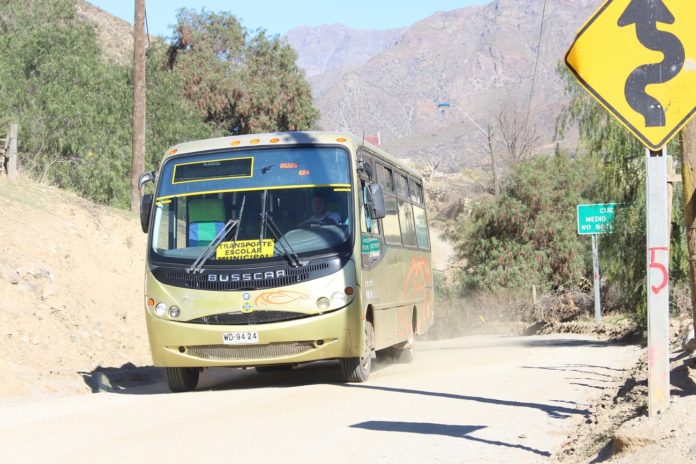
(536, 63)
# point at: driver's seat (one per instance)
(206, 219)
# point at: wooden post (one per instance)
(137, 162)
(688, 149)
(12, 153)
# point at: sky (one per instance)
(279, 16)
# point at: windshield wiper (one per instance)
(267, 221)
(197, 265)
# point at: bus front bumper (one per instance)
(334, 335)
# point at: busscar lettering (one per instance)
(246, 276)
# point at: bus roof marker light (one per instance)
(349, 291)
(341, 140)
(275, 140)
(234, 143)
(172, 151)
(254, 141)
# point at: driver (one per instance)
(319, 213)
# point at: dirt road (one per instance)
(473, 399)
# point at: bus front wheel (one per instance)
(182, 379)
(358, 369)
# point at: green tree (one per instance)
(527, 235)
(74, 107)
(243, 82)
(620, 163)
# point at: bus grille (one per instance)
(201, 282)
(247, 353)
(255, 317)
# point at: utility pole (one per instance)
(496, 184)
(688, 149)
(138, 163)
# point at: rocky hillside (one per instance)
(114, 34)
(325, 48)
(479, 59)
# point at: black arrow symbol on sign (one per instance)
(645, 14)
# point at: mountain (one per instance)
(328, 47)
(479, 63)
(114, 34)
(479, 60)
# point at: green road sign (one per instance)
(596, 219)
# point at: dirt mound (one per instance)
(617, 429)
(71, 280)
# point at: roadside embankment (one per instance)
(71, 278)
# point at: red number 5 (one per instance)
(659, 266)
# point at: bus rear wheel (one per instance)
(358, 369)
(182, 379)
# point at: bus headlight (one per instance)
(161, 309)
(338, 299)
(174, 312)
(323, 303)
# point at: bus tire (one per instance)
(357, 369)
(182, 379)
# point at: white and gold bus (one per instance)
(272, 250)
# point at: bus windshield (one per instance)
(277, 203)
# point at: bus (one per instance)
(273, 250)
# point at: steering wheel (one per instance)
(320, 222)
(313, 223)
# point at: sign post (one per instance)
(635, 58)
(594, 220)
(596, 283)
(658, 281)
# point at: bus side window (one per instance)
(385, 178)
(367, 224)
(390, 223)
(419, 215)
(415, 192)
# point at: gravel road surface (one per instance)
(472, 399)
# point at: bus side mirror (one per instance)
(376, 206)
(145, 210)
(146, 177)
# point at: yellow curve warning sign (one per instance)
(245, 249)
(638, 59)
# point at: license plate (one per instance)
(240, 338)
